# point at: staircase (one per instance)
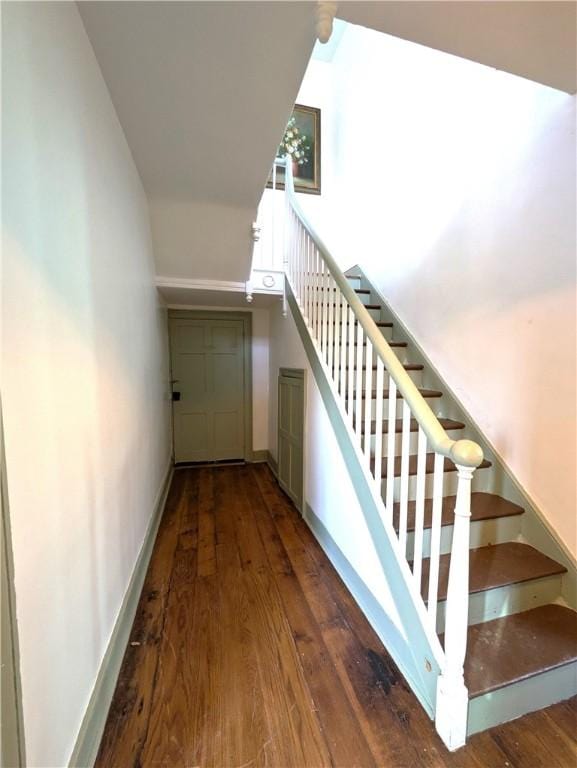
(491, 592)
(521, 638)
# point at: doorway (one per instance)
(210, 360)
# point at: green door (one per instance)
(291, 414)
(207, 362)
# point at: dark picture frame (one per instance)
(307, 176)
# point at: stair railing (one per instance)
(351, 347)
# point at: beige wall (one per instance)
(84, 358)
(457, 195)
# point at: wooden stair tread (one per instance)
(365, 291)
(429, 465)
(484, 506)
(497, 565)
(390, 343)
(406, 366)
(514, 648)
(378, 323)
(414, 425)
(424, 393)
(372, 306)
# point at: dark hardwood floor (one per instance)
(247, 650)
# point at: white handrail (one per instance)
(348, 341)
(464, 452)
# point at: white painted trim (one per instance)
(199, 285)
(520, 698)
(90, 733)
(366, 601)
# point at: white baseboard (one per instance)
(90, 733)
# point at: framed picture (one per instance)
(302, 141)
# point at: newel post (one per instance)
(452, 695)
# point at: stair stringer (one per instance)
(535, 528)
(424, 649)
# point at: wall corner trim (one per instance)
(88, 740)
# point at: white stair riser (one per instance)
(416, 376)
(504, 601)
(518, 699)
(354, 282)
(434, 403)
(398, 438)
(481, 481)
(366, 298)
(387, 333)
(483, 532)
(374, 313)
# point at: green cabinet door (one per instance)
(291, 416)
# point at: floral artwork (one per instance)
(295, 144)
(302, 142)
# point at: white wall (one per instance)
(455, 191)
(201, 239)
(84, 365)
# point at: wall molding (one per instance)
(199, 285)
(90, 733)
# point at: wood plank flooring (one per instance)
(247, 650)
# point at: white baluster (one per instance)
(331, 322)
(438, 474)
(351, 371)
(391, 445)
(291, 245)
(298, 266)
(379, 424)
(319, 299)
(315, 287)
(452, 697)
(359, 383)
(420, 508)
(302, 269)
(309, 281)
(326, 281)
(337, 341)
(404, 501)
(343, 351)
(368, 400)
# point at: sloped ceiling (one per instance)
(536, 40)
(203, 91)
